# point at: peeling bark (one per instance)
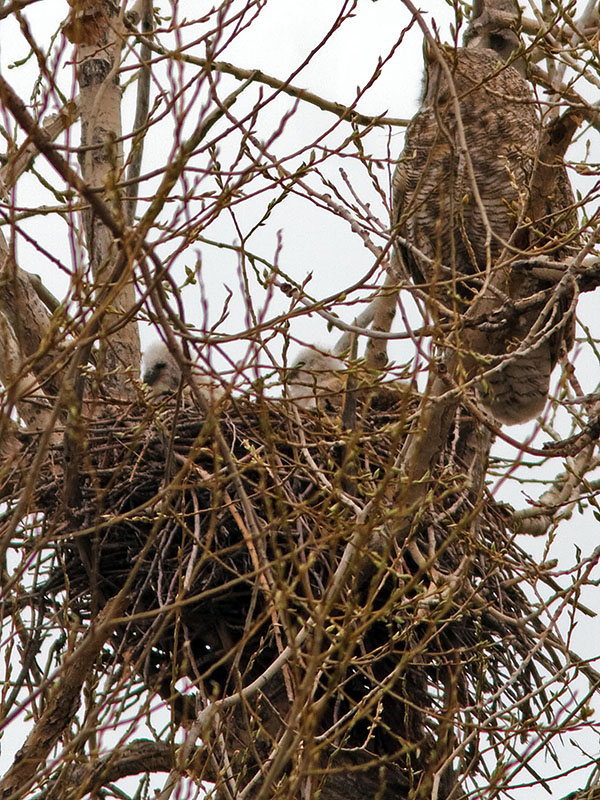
(383, 317)
(96, 28)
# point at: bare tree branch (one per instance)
(255, 75)
(97, 32)
(63, 700)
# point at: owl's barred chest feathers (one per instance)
(461, 205)
(433, 187)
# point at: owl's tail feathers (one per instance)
(518, 391)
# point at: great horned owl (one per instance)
(162, 374)
(460, 203)
(315, 379)
(161, 371)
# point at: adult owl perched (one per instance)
(461, 204)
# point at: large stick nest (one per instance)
(227, 561)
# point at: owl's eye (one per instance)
(497, 42)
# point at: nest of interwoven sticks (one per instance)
(233, 528)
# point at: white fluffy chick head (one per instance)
(315, 377)
(161, 370)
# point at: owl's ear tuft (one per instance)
(507, 10)
(427, 54)
(478, 8)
